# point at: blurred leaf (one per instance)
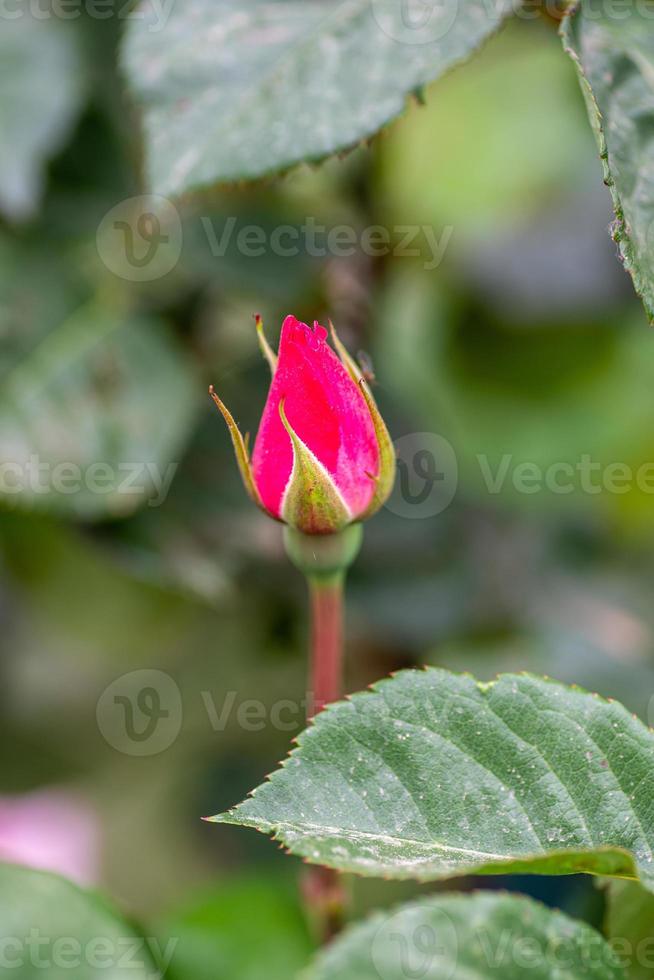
(41, 91)
(27, 313)
(116, 618)
(614, 56)
(232, 91)
(53, 929)
(435, 775)
(243, 929)
(630, 926)
(467, 936)
(565, 654)
(93, 419)
(213, 251)
(513, 399)
(486, 150)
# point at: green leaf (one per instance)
(93, 418)
(41, 90)
(474, 936)
(233, 91)
(54, 930)
(431, 775)
(614, 55)
(630, 927)
(243, 930)
(28, 314)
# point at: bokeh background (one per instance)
(525, 344)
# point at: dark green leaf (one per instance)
(432, 775)
(93, 418)
(614, 54)
(41, 89)
(477, 936)
(54, 930)
(233, 91)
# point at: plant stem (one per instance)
(324, 560)
(325, 901)
(326, 677)
(322, 887)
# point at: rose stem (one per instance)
(326, 680)
(324, 560)
(322, 887)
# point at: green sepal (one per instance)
(311, 502)
(386, 477)
(266, 349)
(346, 358)
(240, 450)
(323, 558)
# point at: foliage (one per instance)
(434, 775)
(615, 60)
(478, 935)
(516, 346)
(228, 84)
(231, 82)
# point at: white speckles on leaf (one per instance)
(615, 61)
(539, 784)
(266, 85)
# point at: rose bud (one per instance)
(323, 458)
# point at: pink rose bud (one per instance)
(323, 457)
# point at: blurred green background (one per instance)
(525, 344)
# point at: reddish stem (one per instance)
(324, 560)
(322, 887)
(326, 641)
